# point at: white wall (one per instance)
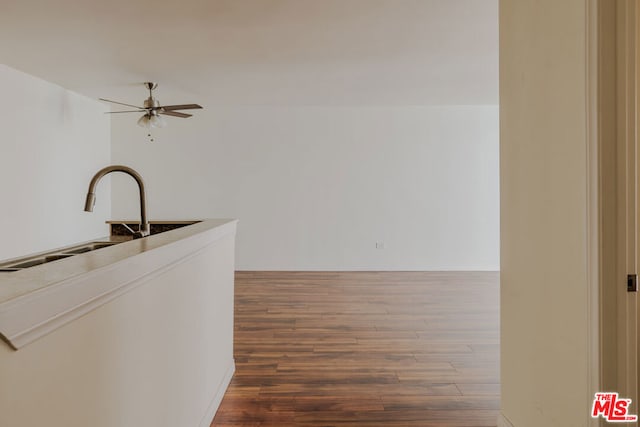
(543, 157)
(316, 187)
(52, 142)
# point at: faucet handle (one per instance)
(128, 228)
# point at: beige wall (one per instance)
(156, 356)
(543, 149)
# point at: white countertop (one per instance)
(36, 300)
(18, 283)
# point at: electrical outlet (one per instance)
(379, 244)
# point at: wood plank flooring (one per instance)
(364, 349)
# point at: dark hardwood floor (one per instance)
(365, 349)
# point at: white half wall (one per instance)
(158, 355)
(52, 142)
(316, 187)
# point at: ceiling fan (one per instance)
(153, 111)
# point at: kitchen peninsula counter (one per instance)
(138, 333)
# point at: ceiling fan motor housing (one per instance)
(150, 102)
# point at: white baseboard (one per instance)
(217, 399)
(503, 421)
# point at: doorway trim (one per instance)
(612, 194)
(627, 193)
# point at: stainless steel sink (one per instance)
(33, 260)
(56, 257)
(120, 232)
(88, 248)
(28, 264)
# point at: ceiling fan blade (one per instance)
(121, 103)
(129, 111)
(175, 114)
(180, 107)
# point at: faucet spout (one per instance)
(91, 194)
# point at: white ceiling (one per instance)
(260, 52)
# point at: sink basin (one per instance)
(88, 248)
(28, 264)
(56, 257)
(120, 232)
(125, 228)
(32, 261)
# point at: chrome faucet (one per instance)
(91, 195)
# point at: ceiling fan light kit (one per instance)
(149, 121)
(153, 110)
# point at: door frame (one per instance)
(612, 195)
(627, 164)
